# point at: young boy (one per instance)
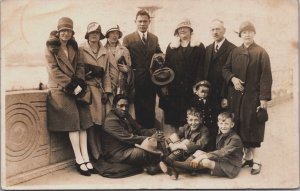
(191, 137)
(226, 160)
(202, 103)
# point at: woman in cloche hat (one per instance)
(185, 56)
(248, 73)
(66, 84)
(94, 56)
(119, 68)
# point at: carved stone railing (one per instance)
(31, 151)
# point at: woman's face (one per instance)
(113, 36)
(65, 35)
(247, 37)
(94, 36)
(184, 33)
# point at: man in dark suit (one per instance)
(142, 45)
(215, 58)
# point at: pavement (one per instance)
(279, 157)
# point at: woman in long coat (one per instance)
(95, 58)
(185, 56)
(120, 71)
(66, 84)
(248, 73)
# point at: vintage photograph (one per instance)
(146, 94)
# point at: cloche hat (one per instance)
(114, 28)
(185, 22)
(94, 26)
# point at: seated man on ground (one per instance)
(124, 141)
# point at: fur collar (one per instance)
(53, 43)
(175, 43)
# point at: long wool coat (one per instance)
(97, 85)
(252, 66)
(64, 113)
(187, 63)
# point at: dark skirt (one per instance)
(65, 114)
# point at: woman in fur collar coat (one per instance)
(66, 84)
(185, 56)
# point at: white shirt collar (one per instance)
(219, 43)
(141, 34)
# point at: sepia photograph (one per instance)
(148, 94)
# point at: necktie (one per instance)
(144, 39)
(217, 48)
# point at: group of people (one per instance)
(214, 98)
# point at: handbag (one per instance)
(86, 98)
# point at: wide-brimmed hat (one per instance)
(94, 26)
(246, 25)
(65, 23)
(262, 115)
(114, 28)
(185, 22)
(163, 76)
(150, 145)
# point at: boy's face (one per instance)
(202, 92)
(225, 124)
(193, 122)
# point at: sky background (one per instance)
(26, 24)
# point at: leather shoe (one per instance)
(82, 172)
(256, 171)
(247, 163)
(153, 169)
(169, 171)
(92, 170)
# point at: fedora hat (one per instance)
(163, 76)
(94, 26)
(150, 145)
(185, 22)
(114, 28)
(262, 115)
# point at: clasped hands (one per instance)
(199, 156)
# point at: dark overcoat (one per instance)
(119, 136)
(186, 63)
(252, 66)
(64, 113)
(213, 65)
(145, 91)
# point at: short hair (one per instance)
(194, 112)
(118, 97)
(226, 115)
(218, 20)
(142, 13)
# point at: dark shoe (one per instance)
(153, 169)
(169, 171)
(247, 163)
(92, 170)
(82, 172)
(256, 171)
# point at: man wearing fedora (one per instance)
(142, 45)
(216, 55)
(124, 141)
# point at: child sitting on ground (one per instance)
(191, 137)
(226, 160)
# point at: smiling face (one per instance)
(217, 31)
(94, 36)
(65, 35)
(225, 124)
(193, 121)
(122, 108)
(142, 22)
(247, 37)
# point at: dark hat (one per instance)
(94, 26)
(246, 25)
(114, 28)
(150, 145)
(262, 115)
(185, 22)
(204, 83)
(65, 23)
(163, 76)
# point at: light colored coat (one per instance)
(97, 85)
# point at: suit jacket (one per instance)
(213, 65)
(141, 56)
(119, 136)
